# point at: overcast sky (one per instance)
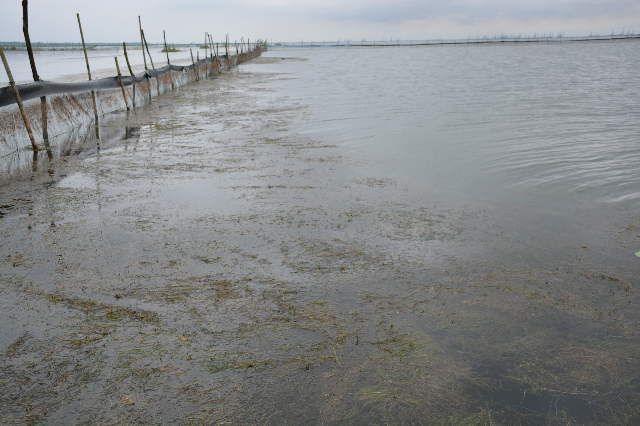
(312, 20)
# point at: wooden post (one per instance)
(17, 95)
(167, 52)
(150, 59)
(148, 53)
(36, 77)
(206, 43)
(93, 93)
(124, 48)
(218, 58)
(195, 70)
(226, 49)
(214, 51)
(165, 46)
(124, 94)
(142, 44)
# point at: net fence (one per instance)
(69, 105)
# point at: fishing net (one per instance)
(71, 104)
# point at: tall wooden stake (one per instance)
(217, 59)
(165, 46)
(124, 48)
(17, 95)
(36, 77)
(148, 53)
(195, 70)
(168, 62)
(124, 93)
(150, 59)
(226, 48)
(86, 57)
(142, 44)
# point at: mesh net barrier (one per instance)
(71, 104)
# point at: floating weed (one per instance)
(107, 311)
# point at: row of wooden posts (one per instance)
(143, 41)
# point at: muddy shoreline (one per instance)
(210, 265)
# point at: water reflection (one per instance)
(79, 142)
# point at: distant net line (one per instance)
(349, 44)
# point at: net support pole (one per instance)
(195, 69)
(217, 46)
(214, 51)
(166, 49)
(211, 46)
(124, 93)
(218, 57)
(93, 93)
(142, 43)
(126, 57)
(36, 77)
(226, 49)
(150, 59)
(19, 101)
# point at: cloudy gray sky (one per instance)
(313, 20)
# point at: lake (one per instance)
(337, 236)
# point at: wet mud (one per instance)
(208, 264)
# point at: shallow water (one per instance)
(313, 241)
(529, 123)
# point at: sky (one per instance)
(186, 21)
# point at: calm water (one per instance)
(540, 124)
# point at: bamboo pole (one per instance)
(84, 47)
(213, 51)
(217, 58)
(124, 48)
(195, 70)
(93, 93)
(17, 95)
(142, 44)
(36, 77)
(168, 62)
(226, 48)
(148, 53)
(126, 57)
(166, 50)
(124, 93)
(150, 59)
